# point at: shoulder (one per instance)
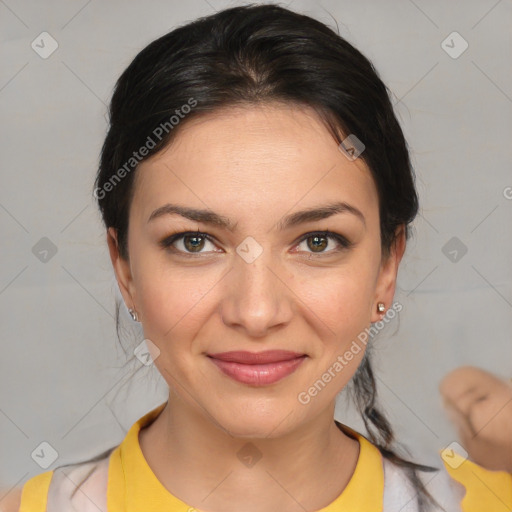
(33, 493)
(10, 499)
(459, 485)
(81, 487)
(400, 494)
(30, 497)
(483, 489)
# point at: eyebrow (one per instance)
(291, 220)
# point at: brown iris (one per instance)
(316, 244)
(197, 242)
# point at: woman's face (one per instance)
(257, 284)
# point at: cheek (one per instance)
(339, 297)
(172, 299)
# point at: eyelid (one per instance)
(167, 242)
(344, 243)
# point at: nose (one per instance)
(257, 299)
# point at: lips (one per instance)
(258, 368)
(269, 356)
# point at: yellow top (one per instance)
(133, 487)
(137, 488)
(486, 491)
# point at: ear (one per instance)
(122, 269)
(386, 281)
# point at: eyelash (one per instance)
(167, 242)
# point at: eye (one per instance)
(189, 242)
(319, 240)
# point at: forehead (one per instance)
(265, 156)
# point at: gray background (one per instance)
(63, 375)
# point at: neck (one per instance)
(207, 467)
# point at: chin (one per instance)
(252, 424)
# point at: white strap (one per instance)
(79, 487)
(400, 495)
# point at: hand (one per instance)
(480, 406)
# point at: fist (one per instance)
(480, 406)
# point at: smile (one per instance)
(258, 369)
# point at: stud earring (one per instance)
(133, 314)
(381, 307)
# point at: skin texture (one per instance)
(253, 165)
(480, 406)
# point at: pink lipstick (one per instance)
(257, 368)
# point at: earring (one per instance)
(381, 307)
(133, 314)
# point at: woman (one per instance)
(257, 192)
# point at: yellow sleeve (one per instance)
(34, 494)
(116, 490)
(486, 490)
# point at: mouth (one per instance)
(258, 368)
